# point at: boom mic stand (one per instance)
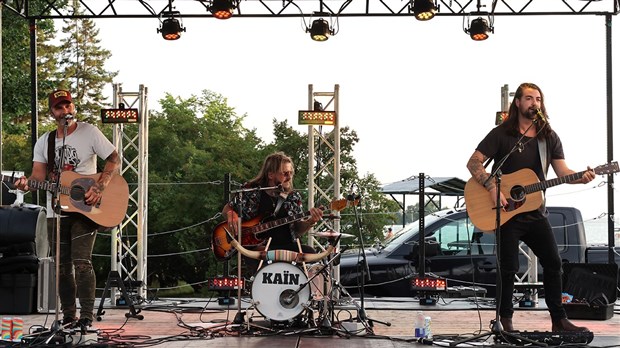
(361, 311)
(496, 325)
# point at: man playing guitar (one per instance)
(76, 145)
(282, 201)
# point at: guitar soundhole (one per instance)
(517, 193)
(77, 193)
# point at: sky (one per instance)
(420, 95)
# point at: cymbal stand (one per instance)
(238, 320)
(361, 312)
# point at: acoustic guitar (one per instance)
(108, 212)
(251, 230)
(522, 190)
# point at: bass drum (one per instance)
(24, 223)
(276, 291)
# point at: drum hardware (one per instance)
(332, 234)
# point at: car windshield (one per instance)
(410, 230)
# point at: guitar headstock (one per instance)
(608, 168)
(342, 203)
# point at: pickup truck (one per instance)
(458, 252)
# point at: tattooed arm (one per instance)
(112, 164)
(476, 168)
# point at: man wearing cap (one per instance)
(76, 147)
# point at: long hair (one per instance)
(512, 123)
(272, 164)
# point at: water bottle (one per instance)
(427, 327)
(419, 325)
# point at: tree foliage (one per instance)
(82, 66)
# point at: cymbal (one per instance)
(332, 234)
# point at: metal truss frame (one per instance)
(324, 172)
(129, 241)
(57, 9)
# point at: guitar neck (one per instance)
(277, 223)
(39, 185)
(539, 186)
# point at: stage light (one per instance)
(171, 27)
(479, 29)
(224, 283)
(423, 10)
(428, 288)
(222, 9)
(320, 31)
(428, 284)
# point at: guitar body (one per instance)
(221, 243)
(112, 207)
(480, 206)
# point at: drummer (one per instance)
(280, 202)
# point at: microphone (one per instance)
(352, 196)
(540, 115)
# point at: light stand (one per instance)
(361, 312)
(496, 325)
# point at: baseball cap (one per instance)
(58, 97)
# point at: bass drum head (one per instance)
(273, 291)
(24, 223)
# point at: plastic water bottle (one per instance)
(427, 327)
(419, 325)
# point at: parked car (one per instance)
(456, 251)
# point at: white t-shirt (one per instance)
(82, 147)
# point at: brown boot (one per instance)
(506, 324)
(558, 325)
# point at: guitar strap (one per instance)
(51, 147)
(278, 205)
(544, 161)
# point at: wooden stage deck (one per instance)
(200, 322)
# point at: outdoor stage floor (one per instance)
(200, 322)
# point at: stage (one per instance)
(198, 322)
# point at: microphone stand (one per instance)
(238, 320)
(56, 326)
(496, 325)
(361, 312)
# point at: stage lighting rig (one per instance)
(321, 29)
(423, 10)
(223, 9)
(171, 27)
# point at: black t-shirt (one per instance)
(500, 141)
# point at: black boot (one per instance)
(506, 324)
(558, 325)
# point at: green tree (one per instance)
(82, 70)
(193, 143)
(17, 89)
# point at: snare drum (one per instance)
(22, 224)
(274, 291)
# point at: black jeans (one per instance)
(76, 276)
(538, 236)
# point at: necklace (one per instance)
(274, 200)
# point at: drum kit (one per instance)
(287, 291)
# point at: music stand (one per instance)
(496, 325)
